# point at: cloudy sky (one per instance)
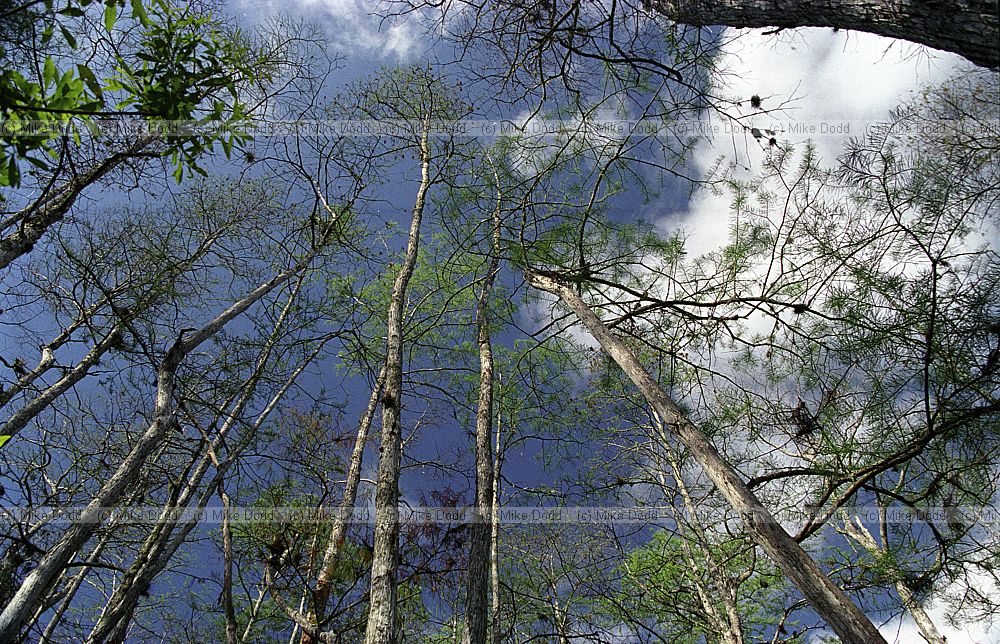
(818, 76)
(840, 78)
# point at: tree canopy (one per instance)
(547, 329)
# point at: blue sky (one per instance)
(816, 76)
(809, 77)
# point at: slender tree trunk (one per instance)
(74, 586)
(382, 627)
(478, 573)
(254, 612)
(227, 570)
(32, 222)
(924, 622)
(40, 581)
(730, 628)
(559, 618)
(161, 545)
(847, 621)
(321, 594)
(494, 632)
(970, 28)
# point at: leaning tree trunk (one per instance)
(969, 28)
(381, 628)
(730, 627)
(40, 581)
(30, 224)
(338, 532)
(928, 630)
(852, 625)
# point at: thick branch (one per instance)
(970, 28)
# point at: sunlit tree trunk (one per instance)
(827, 599)
(477, 614)
(324, 580)
(41, 580)
(729, 627)
(382, 627)
(923, 621)
(167, 537)
(27, 226)
(74, 585)
(494, 629)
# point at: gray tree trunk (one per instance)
(31, 223)
(41, 580)
(382, 627)
(338, 532)
(970, 28)
(477, 613)
(829, 601)
(494, 630)
(928, 629)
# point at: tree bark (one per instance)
(494, 630)
(32, 222)
(829, 601)
(729, 628)
(477, 614)
(924, 623)
(382, 627)
(324, 580)
(227, 570)
(73, 586)
(167, 537)
(970, 28)
(38, 583)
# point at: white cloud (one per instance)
(815, 76)
(353, 26)
(903, 630)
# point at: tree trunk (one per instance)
(38, 583)
(167, 537)
(32, 222)
(321, 594)
(730, 628)
(382, 627)
(970, 28)
(74, 586)
(477, 612)
(829, 601)
(227, 570)
(923, 621)
(494, 630)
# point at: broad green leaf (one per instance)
(13, 176)
(110, 15)
(68, 36)
(38, 163)
(48, 72)
(88, 77)
(139, 13)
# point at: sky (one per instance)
(817, 76)
(843, 77)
